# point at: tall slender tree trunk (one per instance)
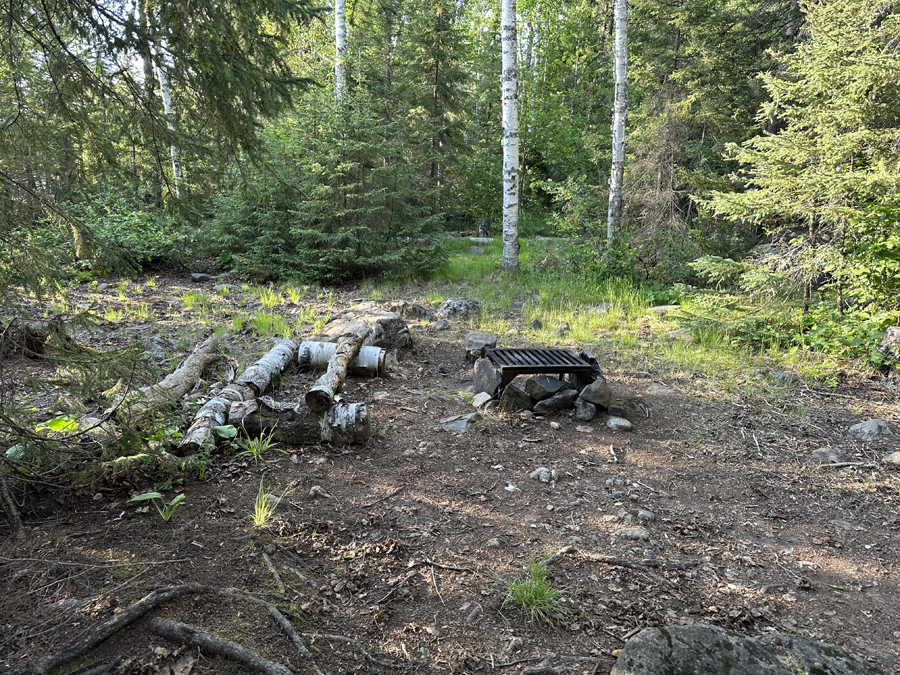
(620, 112)
(169, 112)
(509, 83)
(340, 47)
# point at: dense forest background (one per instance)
(147, 134)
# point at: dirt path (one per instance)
(408, 553)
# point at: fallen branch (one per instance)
(214, 413)
(321, 396)
(182, 381)
(194, 637)
(9, 505)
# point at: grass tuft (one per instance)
(536, 595)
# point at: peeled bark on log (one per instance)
(370, 361)
(194, 637)
(177, 384)
(388, 329)
(214, 413)
(321, 397)
(247, 387)
(344, 423)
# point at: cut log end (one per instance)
(320, 398)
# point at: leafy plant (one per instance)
(536, 595)
(264, 506)
(166, 510)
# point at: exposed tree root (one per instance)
(358, 645)
(555, 664)
(188, 635)
(621, 562)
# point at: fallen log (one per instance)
(182, 381)
(294, 424)
(321, 397)
(250, 384)
(370, 362)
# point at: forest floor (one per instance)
(409, 555)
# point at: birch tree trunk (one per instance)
(509, 83)
(340, 47)
(620, 112)
(168, 111)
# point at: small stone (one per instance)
(561, 401)
(544, 475)
(458, 308)
(477, 343)
(460, 424)
(102, 287)
(782, 377)
(555, 425)
(516, 644)
(584, 429)
(272, 500)
(318, 491)
(828, 456)
(661, 390)
(584, 410)
(870, 430)
(223, 288)
(633, 533)
(598, 392)
(439, 325)
(893, 458)
(532, 519)
(542, 387)
(493, 543)
(481, 399)
(537, 324)
(662, 310)
(646, 516)
(443, 368)
(619, 424)
(474, 614)
(563, 329)
(410, 452)
(493, 404)
(843, 524)
(200, 278)
(517, 306)
(616, 411)
(485, 378)
(322, 461)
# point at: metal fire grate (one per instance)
(513, 362)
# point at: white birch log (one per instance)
(370, 362)
(509, 82)
(260, 374)
(321, 396)
(177, 384)
(214, 413)
(620, 112)
(295, 424)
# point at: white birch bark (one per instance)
(509, 83)
(168, 111)
(620, 112)
(340, 47)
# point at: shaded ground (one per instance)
(406, 550)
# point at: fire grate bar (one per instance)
(513, 362)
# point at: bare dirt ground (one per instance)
(408, 554)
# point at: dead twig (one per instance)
(274, 572)
(358, 645)
(385, 497)
(194, 637)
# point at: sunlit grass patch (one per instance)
(269, 325)
(194, 300)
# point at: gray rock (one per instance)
(870, 430)
(459, 308)
(485, 377)
(782, 377)
(615, 411)
(562, 400)
(543, 386)
(477, 344)
(584, 430)
(843, 524)
(481, 399)
(662, 310)
(544, 475)
(537, 324)
(584, 410)
(703, 649)
(492, 404)
(531, 518)
(633, 533)
(893, 458)
(598, 392)
(476, 249)
(646, 516)
(515, 644)
(619, 424)
(516, 306)
(514, 398)
(443, 368)
(460, 424)
(563, 329)
(828, 456)
(102, 287)
(493, 543)
(890, 344)
(200, 278)
(411, 310)
(439, 325)
(661, 390)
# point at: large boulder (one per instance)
(700, 648)
(870, 430)
(477, 344)
(598, 392)
(459, 308)
(387, 329)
